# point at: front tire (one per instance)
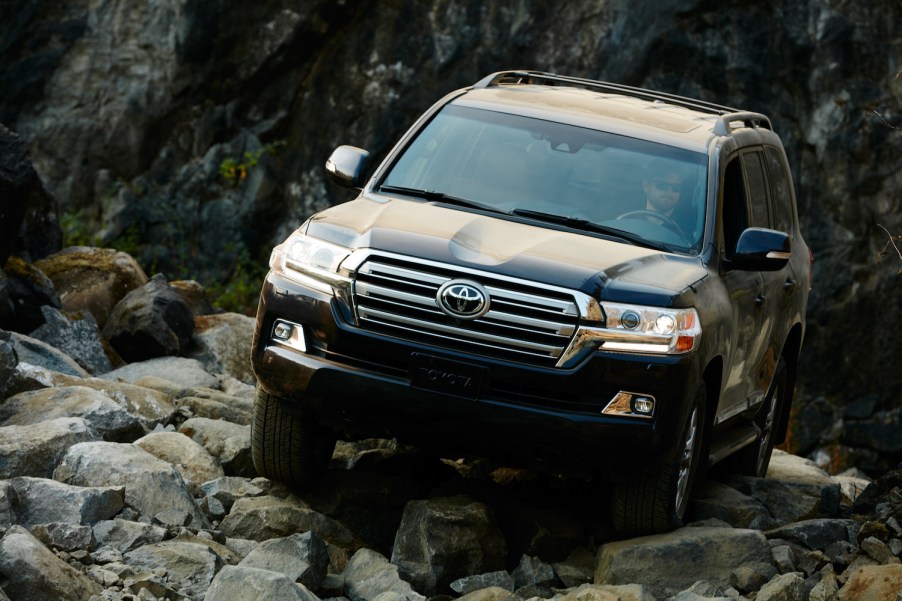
(656, 501)
(286, 446)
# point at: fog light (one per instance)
(282, 331)
(285, 333)
(643, 405)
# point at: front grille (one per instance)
(525, 322)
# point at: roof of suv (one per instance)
(635, 112)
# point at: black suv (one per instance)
(570, 274)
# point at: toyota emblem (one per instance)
(463, 299)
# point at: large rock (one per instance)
(240, 583)
(873, 583)
(35, 352)
(191, 459)
(151, 321)
(77, 335)
(36, 450)
(301, 557)
(222, 343)
(152, 486)
(109, 419)
(369, 576)
(24, 290)
(187, 566)
(31, 572)
(92, 279)
(227, 441)
(44, 501)
(443, 539)
(680, 558)
(176, 370)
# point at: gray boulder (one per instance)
(816, 534)
(31, 572)
(783, 587)
(369, 575)
(44, 501)
(151, 485)
(77, 335)
(126, 535)
(38, 353)
(266, 517)
(35, 450)
(187, 566)
(715, 553)
(222, 342)
(301, 557)
(228, 442)
(716, 500)
(241, 583)
(93, 279)
(181, 371)
(191, 459)
(64, 536)
(108, 418)
(151, 321)
(469, 584)
(443, 539)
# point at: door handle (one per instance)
(760, 300)
(789, 285)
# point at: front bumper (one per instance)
(366, 385)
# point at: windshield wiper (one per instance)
(439, 197)
(591, 226)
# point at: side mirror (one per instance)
(761, 249)
(345, 166)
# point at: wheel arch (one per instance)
(791, 349)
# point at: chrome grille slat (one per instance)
(525, 322)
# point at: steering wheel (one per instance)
(656, 218)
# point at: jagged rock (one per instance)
(64, 536)
(790, 501)
(262, 518)
(716, 552)
(577, 569)
(880, 433)
(25, 290)
(28, 213)
(532, 570)
(77, 335)
(8, 502)
(226, 441)
(188, 566)
(239, 583)
(195, 296)
(92, 279)
(751, 577)
(216, 405)
(126, 535)
(469, 584)
(176, 370)
(717, 500)
(222, 343)
(226, 490)
(191, 460)
(149, 322)
(147, 585)
(31, 572)
(370, 575)
(301, 557)
(443, 539)
(783, 587)
(8, 362)
(35, 352)
(37, 449)
(108, 418)
(43, 501)
(151, 485)
(826, 587)
(816, 533)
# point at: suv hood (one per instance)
(616, 271)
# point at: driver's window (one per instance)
(734, 213)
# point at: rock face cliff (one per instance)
(200, 128)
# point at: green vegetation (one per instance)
(235, 171)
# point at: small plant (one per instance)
(890, 242)
(235, 172)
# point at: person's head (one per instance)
(662, 184)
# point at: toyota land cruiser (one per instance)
(566, 273)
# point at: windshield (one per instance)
(534, 169)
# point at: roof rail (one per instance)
(727, 114)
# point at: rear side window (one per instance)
(759, 212)
(781, 191)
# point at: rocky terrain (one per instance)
(125, 474)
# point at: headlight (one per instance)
(303, 258)
(635, 328)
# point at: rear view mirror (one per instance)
(346, 165)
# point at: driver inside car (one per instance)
(663, 184)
